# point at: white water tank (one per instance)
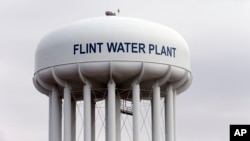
(111, 58)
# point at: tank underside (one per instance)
(124, 74)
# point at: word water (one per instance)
(239, 132)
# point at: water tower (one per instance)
(101, 59)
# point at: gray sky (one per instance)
(218, 34)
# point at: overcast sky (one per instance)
(217, 32)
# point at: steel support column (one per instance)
(54, 116)
(73, 120)
(50, 116)
(136, 111)
(87, 112)
(169, 115)
(92, 121)
(111, 112)
(156, 120)
(106, 118)
(67, 114)
(118, 117)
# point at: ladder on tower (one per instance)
(126, 107)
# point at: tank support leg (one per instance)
(92, 121)
(169, 115)
(67, 114)
(54, 116)
(118, 117)
(136, 111)
(87, 112)
(106, 118)
(156, 125)
(111, 112)
(73, 120)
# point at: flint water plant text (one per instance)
(124, 47)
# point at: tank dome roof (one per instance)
(114, 48)
(112, 38)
